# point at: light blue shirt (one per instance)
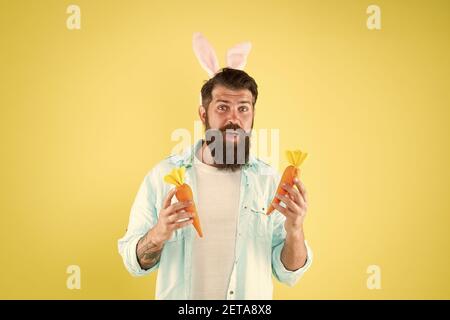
(259, 238)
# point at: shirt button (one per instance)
(231, 292)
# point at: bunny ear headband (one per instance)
(206, 55)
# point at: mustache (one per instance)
(230, 126)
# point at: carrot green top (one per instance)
(176, 176)
(296, 157)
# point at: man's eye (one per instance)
(243, 109)
(222, 107)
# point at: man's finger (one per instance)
(287, 201)
(178, 206)
(301, 188)
(174, 218)
(168, 198)
(183, 224)
(284, 211)
(293, 192)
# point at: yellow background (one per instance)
(86, 113)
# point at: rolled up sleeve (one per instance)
(279, 270)
(127, 249)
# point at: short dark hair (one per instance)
(233, 79)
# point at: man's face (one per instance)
(229, 106)
(230, 112)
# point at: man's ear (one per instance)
(202, 114)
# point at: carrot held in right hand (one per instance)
(184, 193)
(292, 171)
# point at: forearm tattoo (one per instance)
(148, 252)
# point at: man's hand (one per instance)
(296, 207)
(149, 247)
(169, 217)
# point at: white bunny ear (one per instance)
(205, 54)
(237, 56)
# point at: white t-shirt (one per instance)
(218, 207)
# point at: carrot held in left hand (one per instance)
(292, 171)
(184, 193)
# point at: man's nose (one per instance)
(233, 118)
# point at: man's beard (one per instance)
(228, 155)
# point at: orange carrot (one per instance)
(292, 171)
(184, 193)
